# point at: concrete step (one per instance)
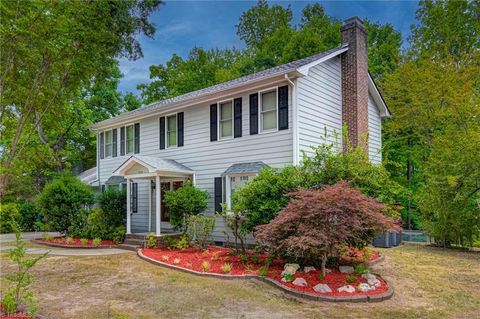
(136, 242)
(135, 236)
(128, 247)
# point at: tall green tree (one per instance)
(433, 96)
(49, 51)
(271, 39)
(202, 68)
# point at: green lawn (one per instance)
(429, 283)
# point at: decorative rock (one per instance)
(365, 287)
(300, 282)
(346, 269)
(327, 271)
(369, 276)
(374, 283)
(290, 269)
(348, 288)
(322, 288)
(308, 269)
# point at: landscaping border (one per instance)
(381, 257)
(301, 294)
(41, 242)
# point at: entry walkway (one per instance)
(28, 236)
(71, 251)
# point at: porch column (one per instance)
(228, 191)
(128, 207)
(157, 205)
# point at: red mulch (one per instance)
(18, 315)
(192, 259)
(62, 242)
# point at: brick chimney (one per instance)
(355, 82)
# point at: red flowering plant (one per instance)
(317, 224)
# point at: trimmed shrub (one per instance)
(185, 201)
(113, 203)
(62, 200)
(30, 215)
(317, 224)
(9, 215)
(261, 199)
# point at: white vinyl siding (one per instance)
(319, 103)
(374, 132)
(208, 159)
(172, 130)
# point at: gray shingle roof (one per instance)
(116, 180)
(284, 68)
(161, 163)
(244, 168)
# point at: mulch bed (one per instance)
(193, 258)
(62, 242)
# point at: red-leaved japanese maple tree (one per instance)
(319, 223)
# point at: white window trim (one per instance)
(260, 128)
(166, 130)
(219, 131)
(105, 144)
(228, 186)
(126, 139)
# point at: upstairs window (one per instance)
(172, 130)
(108, 143)
(268, 110)
(226, 119)
(130, 140)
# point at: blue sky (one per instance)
(182, 25)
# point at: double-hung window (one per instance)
(268, 110)
(226, 119)
(108, 143)
(172, 130)
(130, 140)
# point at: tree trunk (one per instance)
(324, 264)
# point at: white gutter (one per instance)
(294, 120)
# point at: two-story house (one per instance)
(221, 136)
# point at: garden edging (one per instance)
(41, 242)
(305, 295)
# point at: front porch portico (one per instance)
(158, 171)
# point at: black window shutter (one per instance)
(162, 133)
(283, 107)
(253, 114)
(237, 117)
(134, 198)
(102, 145)
(213, 122)
(114, 144)
(180, 129)
(122, 141)
(137, 138)
(218, 194)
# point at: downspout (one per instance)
(294, 121)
